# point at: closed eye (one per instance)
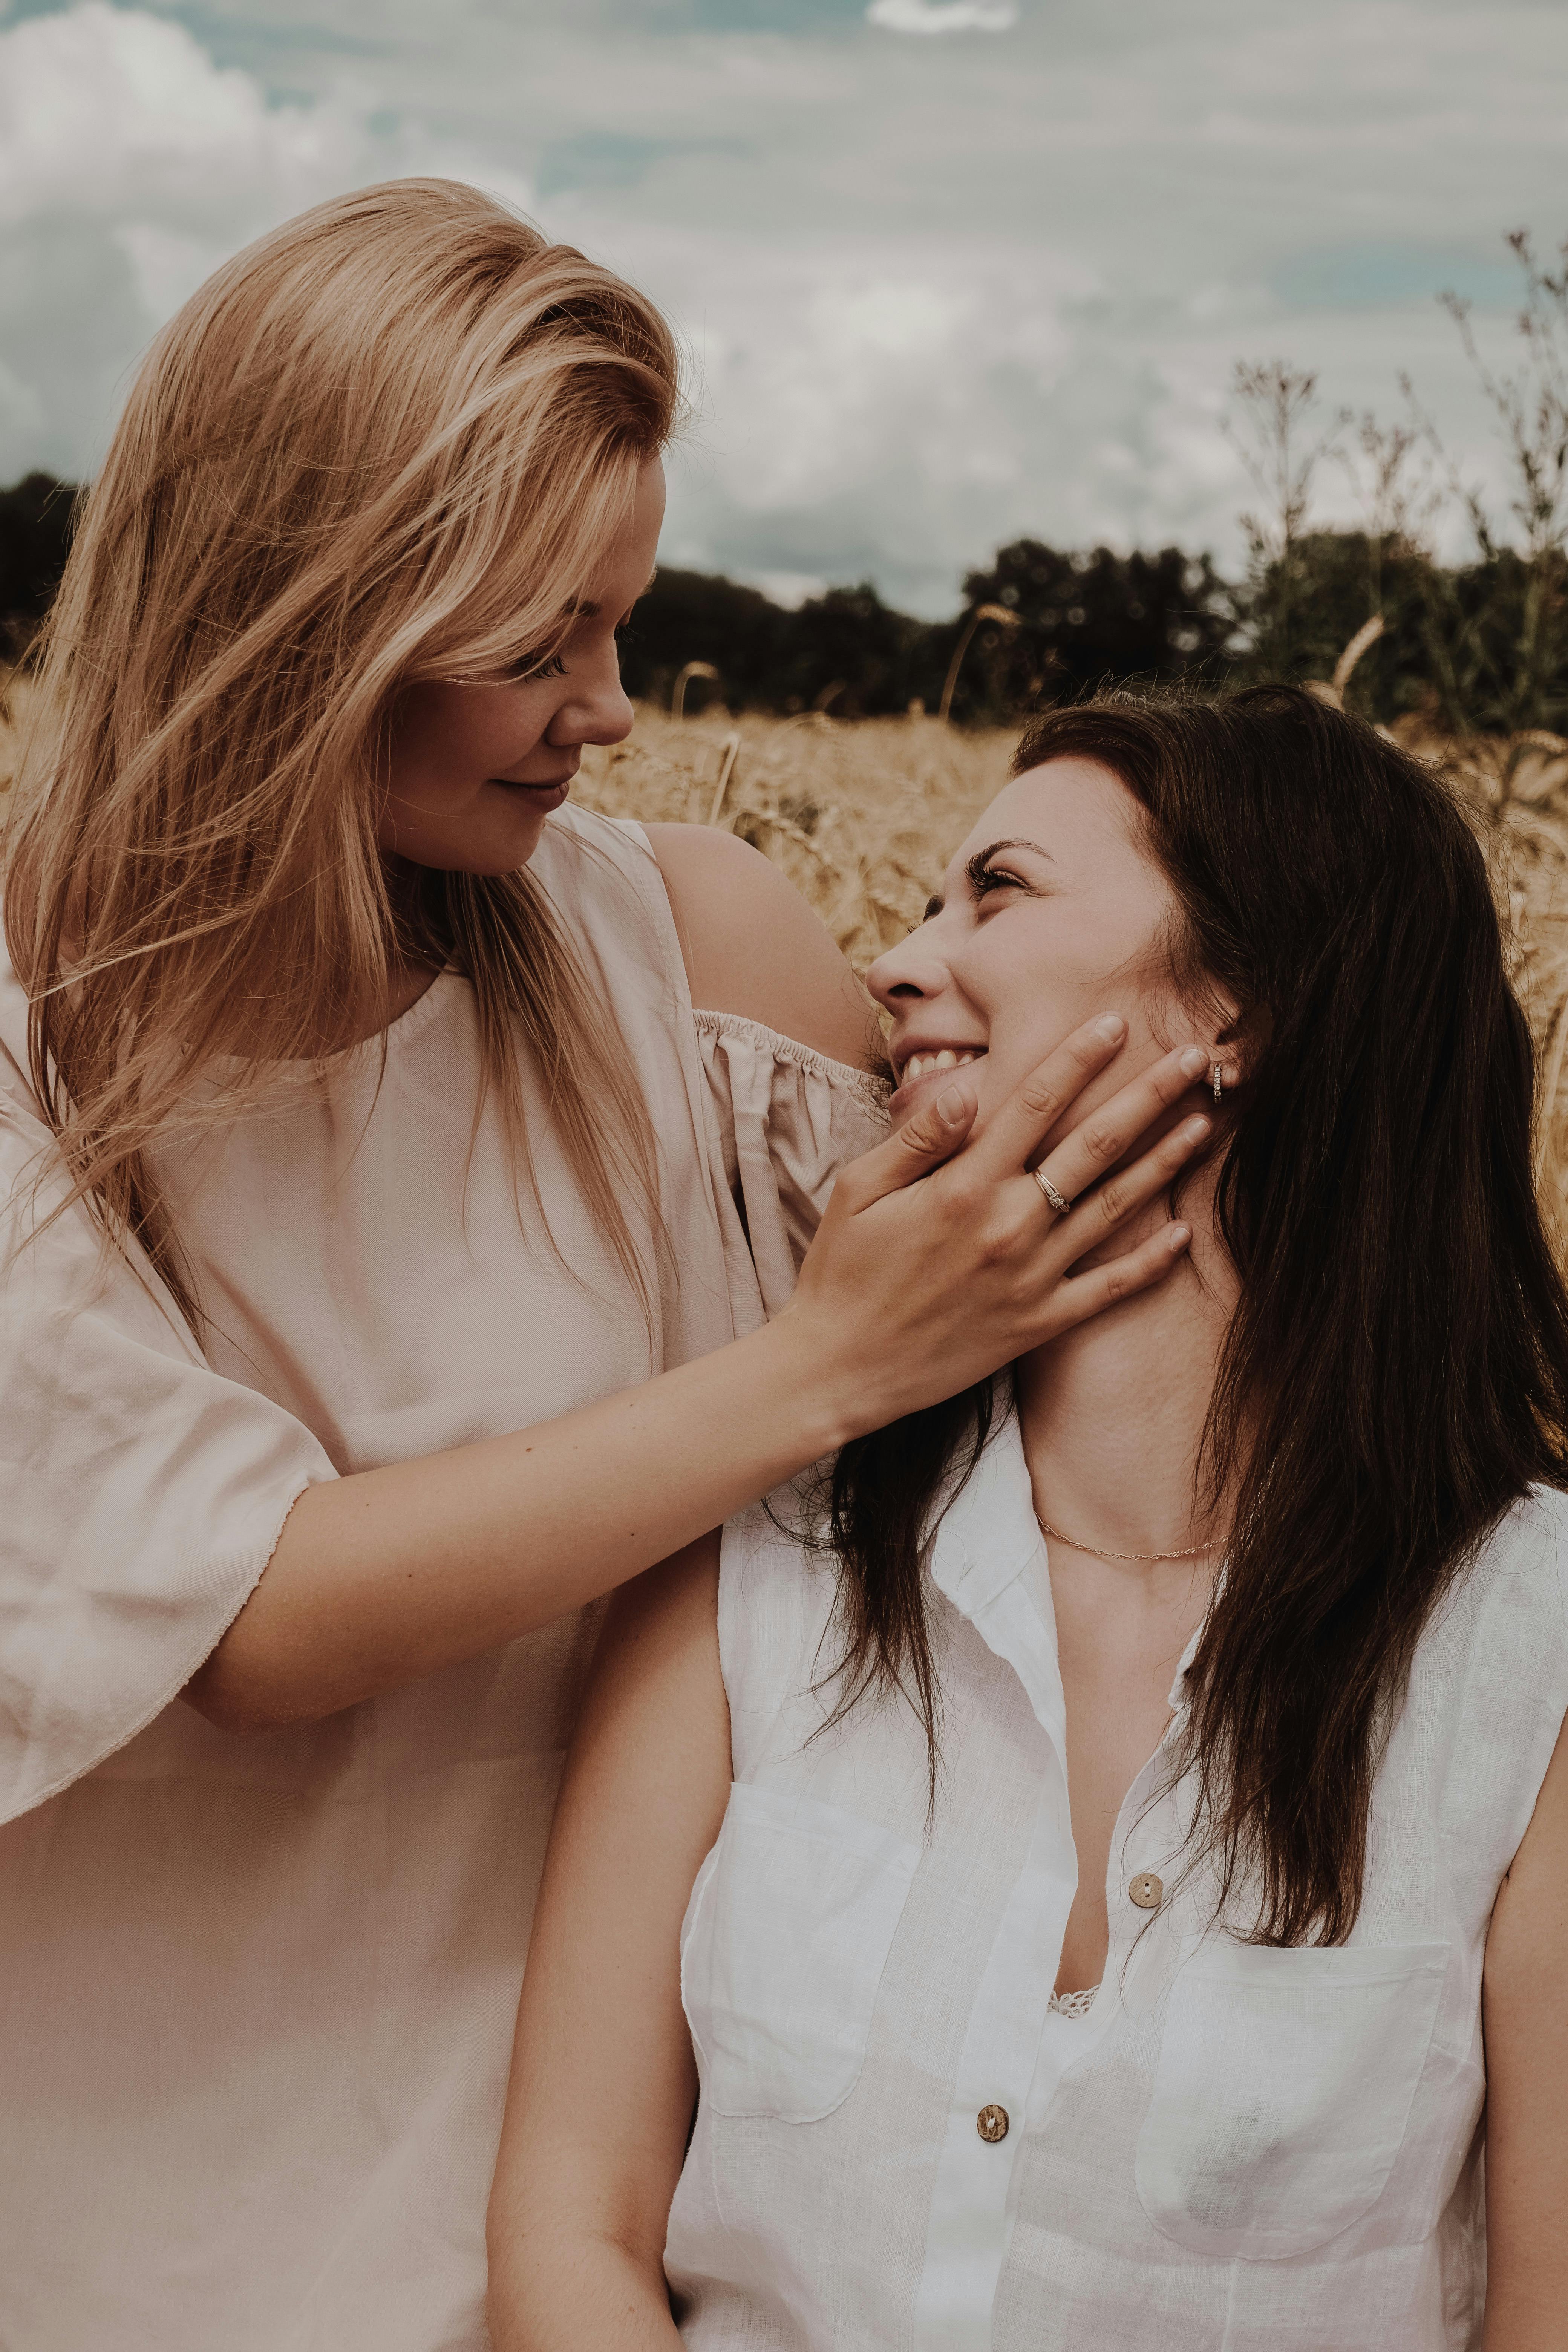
(533, 666)
(985, 873)
(986, 880)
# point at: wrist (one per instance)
(829, 1395)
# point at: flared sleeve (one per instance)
(781, 1122)
(143, 1492)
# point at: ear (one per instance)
(1239, 1041)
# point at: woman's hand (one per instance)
(931, 1270)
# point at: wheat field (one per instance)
(863, 815)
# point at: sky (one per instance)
(947, 272)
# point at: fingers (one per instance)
(1112, 1130)
(1100, 1211)
(1080, 1296)
(919, 1145)
(1020, 1126)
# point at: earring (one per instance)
(1216, 1085)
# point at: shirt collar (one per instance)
(988, 1534)
(987, 1543)
(1178, 1688)
(986, 1540)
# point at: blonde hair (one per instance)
(387, 443)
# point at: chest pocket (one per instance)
(1283, 2090)
(782, 1949)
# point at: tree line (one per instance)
(1477, 647)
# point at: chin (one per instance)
(498, 849)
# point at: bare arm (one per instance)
(752, 946)
(1525, 2006)
(911, 1291)
(603, 2082)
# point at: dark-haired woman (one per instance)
(1088, 1843)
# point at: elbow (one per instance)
(557, 2281)
(234, 1702)
(225, 1714)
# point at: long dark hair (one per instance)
(1395, 1373)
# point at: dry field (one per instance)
(863, 816)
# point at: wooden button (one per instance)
(1147, 1891)
(991, 2123)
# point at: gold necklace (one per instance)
(1097, 1551)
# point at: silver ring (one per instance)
(1062, 1207)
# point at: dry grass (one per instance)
(863, 818)
(14, 693)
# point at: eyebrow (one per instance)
(981, 858)
(586, 610)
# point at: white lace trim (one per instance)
(1073, 2004)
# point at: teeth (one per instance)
(920, 1066)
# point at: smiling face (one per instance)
(475, 768)
(1053, 910)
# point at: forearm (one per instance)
(909, 1292)
(554, 2293)
(603, 2080)
(1525, 2014)
(396, 1572)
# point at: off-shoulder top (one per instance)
(256, 1997)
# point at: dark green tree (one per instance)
(35, 538)
(1083, 618)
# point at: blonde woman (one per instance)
(389, 1257)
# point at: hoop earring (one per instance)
(1217, 1083)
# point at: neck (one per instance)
(409, 972)
(1113, 1413)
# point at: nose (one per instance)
(596, 709)
(910, 972)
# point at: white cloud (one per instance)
(103, 108)
(941, 292)
(942, 15)
(130, 165)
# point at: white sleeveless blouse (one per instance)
(256, 1996)
(899, 2143)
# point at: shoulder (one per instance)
(1521, 1569)
(1504, 1623)
(1490, 1681)
(754, 948)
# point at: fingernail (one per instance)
(1110, 1025)
(951, 1106)
(1196, 1128)
(1195, 1062)
(1180, 1237)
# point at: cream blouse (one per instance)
(256, 1996)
